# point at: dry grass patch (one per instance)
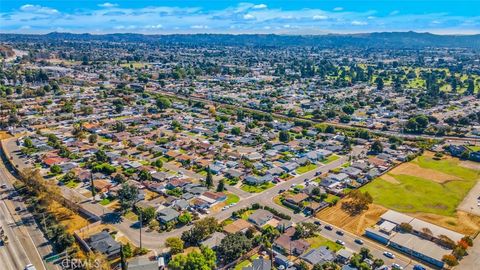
(462, 222)
(413, 169)
(67, 217)
(356, 224)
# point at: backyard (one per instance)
(257, 188)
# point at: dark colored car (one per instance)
(328, 227)
(418, 267)
(359, 241)
(340, 233)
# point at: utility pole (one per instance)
(141, 228)
(92, 186)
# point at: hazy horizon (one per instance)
(238, 17)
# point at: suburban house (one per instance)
(104, 243)
(260, 217)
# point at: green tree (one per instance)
(145, 175)
(175, 244)
(148, 214)
(28, 143)
(376, 147)
(236, 131)
(55, 169)
(348, 109)
(127, 195)
(380, 83)
(163, 103)
(127, 250)
(233, 246)
(203, 260)
(185, 218)
(284, 136)
(158, 163)
(209, 178)
(92, 138)
(221, 185)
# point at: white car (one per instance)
(396, 266)
(340, 242)
(389, 255)
(30, 267)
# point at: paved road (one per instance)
(25, 238)
(154, 240)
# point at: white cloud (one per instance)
(260, 6)
(107, 5)
(338, 9)
(199, 26)
(358, 23)
(38, 9)
(158, 26)
(319, 17)
(248, 17)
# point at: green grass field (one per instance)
(306, 168)
(330, 159)
(232, 198)
(417, 194)
(319, 241)
(257, 188)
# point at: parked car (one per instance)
(340, 232)
(340, 242)
(389, 255)
(359, 241)
(419, 267)
(316, 222)
(396, 266)
(328, 227)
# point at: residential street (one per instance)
(153, 240)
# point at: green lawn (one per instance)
(242, 264)
(105, 201)
(71, 184)
(131, 216)
(246, 214)
(306, 168)
(474, 148)
(319, 241)
(416, 194)
(330, 159)
(232, 198)
(331, 198)
(257, 188)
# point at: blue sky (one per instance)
(224, 16)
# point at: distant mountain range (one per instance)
(406, 40)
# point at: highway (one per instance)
(19, 226)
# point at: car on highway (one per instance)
(30, 267)
(419, 267)
(358, 241)
(340, 233)
(340, 242)
(328, 227)
(388, 255)
(397, 266)
(281, 191)
(316, 222)
(4, 186)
